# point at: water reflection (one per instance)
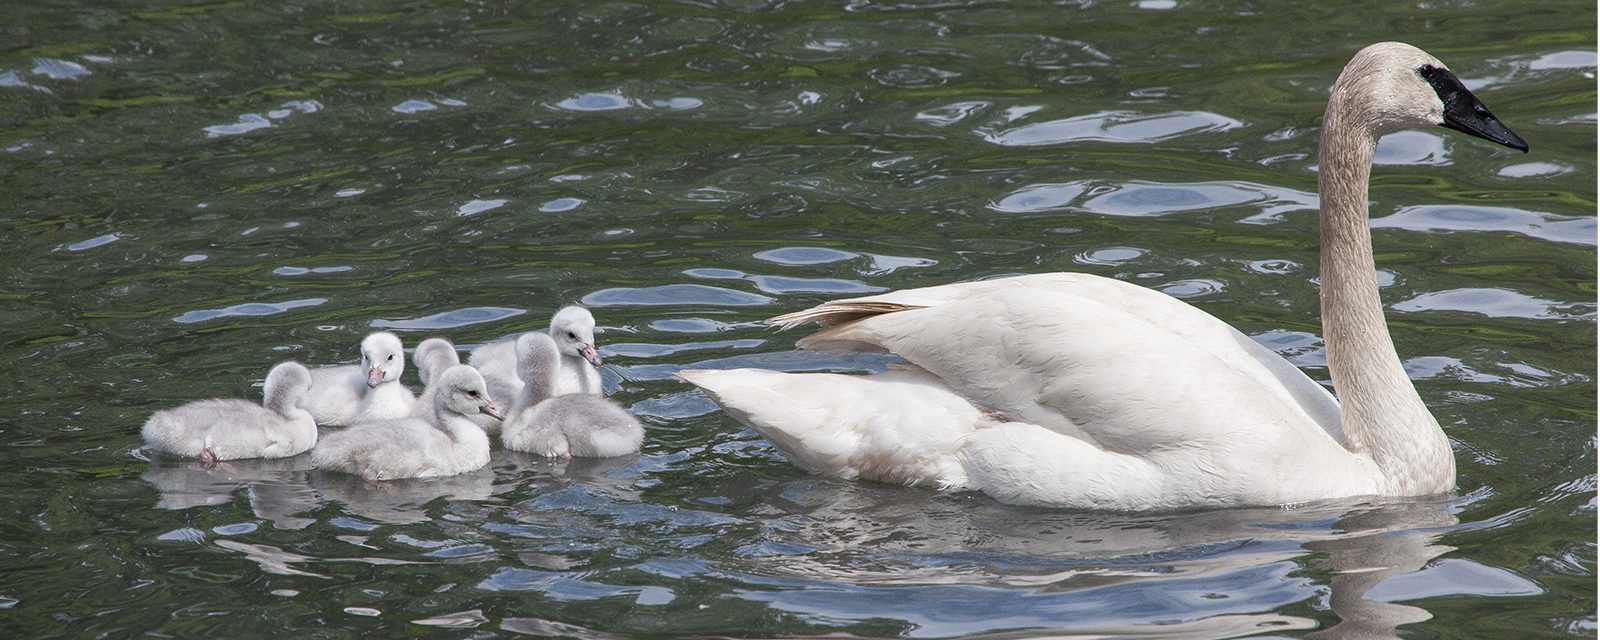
(401, 501)
(1543, 226)
(1497, 303)
(276, 489)
(1113, 126)
(962, 566)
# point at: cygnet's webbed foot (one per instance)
(564, 457)
(370, 475)
(208, 459)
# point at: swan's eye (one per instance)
(472, 393)
(390, 358)
(572, 335)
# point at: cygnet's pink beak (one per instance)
(588, 353)
(374, 377)
(491, 411)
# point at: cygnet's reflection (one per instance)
(277, 488)
(401, 501)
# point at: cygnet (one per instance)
(352, 394)
(572, 328)
(444, 444)
(564, 426)
(231, 429)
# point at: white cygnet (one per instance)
(231, 429)
(564, 426)
(572, 329)
(371, 391)
(444, 444)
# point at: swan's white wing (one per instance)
(1116, 364)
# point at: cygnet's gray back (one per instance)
(595, 427)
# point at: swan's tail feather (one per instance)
(846, 426)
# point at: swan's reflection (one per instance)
(959, 563)
(277, 488)
(1377, 543)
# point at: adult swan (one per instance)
(1074, 390)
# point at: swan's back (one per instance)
(1005, 344)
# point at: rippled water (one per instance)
(198, 190)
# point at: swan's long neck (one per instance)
(1380, 411)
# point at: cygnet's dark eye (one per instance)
(473, 393)
(572, 335)
(391, 357)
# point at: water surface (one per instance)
(199, 190)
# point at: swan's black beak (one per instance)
(1465, 113)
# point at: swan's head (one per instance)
(383, 358)
(573, 330)
(1397, 86)
(537, 356)
(286, 384)
(462, 392)
(433, 356)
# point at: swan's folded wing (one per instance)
(1099, 359)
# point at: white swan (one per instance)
(573, 330)
(350, 394)
(445, 444)
(563, 426)
(1080, 391)
(229, 429)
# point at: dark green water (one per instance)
(197, 191)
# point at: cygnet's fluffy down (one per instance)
(230, 429)
(433, 357)
(444, 444)
(564, 426)
(572, 328)
(352, 394)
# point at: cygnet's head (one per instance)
(1396, 86)
(433, 356)
(383, 358)
(462, 391)
(573, 330)
(286, 384)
